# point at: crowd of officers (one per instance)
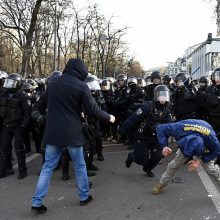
(133, 101)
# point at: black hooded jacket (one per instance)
(66, 96)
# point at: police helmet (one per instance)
(132, 81)
(27, 87)
(141, 82)
(180, 77)
(92, 83)
(167, 78)
(155, 75)
(13, 81)
(121, 77)
(203, 79)
(161, 94)
(105, 85)
(53, 75)
(32, 82)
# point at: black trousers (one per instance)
(5, 149)
(146, 153)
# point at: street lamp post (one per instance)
(103, 39)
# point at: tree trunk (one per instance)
(29, 38)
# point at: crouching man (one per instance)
(194, 138)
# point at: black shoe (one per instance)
(93, 167)
(9, 171)
(65, 176)
(148, 172)
(85, 202)
(100, 157)
(91, 173)
(90, 184)
(22, 175)
(129, 161)
(39, 210)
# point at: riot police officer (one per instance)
(167, 82)
(184, 98)
(143, 123)
(135, 95)
(95, 89)
(213, 100)
(121, 102)
(107, 92)
(15, 113)
(156, 80)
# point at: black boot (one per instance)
(91, 173)
(128, 161)
(21, 164)
(148, 172)
(92, 167)
(100, 156)
(22, 175)
(2, 165)
(9, 171)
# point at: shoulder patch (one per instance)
(139, 111)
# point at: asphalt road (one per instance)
(119, 193)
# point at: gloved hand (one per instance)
(112, 118)
(40, 120)
(193, 165)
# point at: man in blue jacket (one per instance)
(194, 138)
(67, 94)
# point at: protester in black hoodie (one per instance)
(66, 96)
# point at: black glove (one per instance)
(40, 120)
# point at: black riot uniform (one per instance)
(120, 103)
(167, 82)
(156, 80)
(94, 124)
(135, 95)
(143, 124)
(107, 93)
(184, 98)
(202, 98)
(15, 113)
(213, 103)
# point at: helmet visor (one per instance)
(162, 96)
(11, 84)
(106, 88)
(94, 85)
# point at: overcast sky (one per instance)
(160, 30)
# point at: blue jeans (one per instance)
(52, 156)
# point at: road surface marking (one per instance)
(28, 159)
(210, 187)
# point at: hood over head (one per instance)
(191, 145)
(75, 67)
